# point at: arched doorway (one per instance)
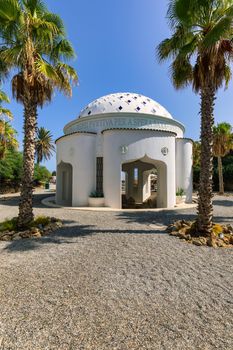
(64, 184)
(144, 184)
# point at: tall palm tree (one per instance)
(7, 138)
(44, 145)
(223, 143)
(34, 43)
(201, 48)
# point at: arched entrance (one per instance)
(64, 184)
(144, 184)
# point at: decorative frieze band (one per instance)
(126, 122)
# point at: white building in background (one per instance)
(123, 132)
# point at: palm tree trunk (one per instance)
(220, 176)
(205, 193)
(25, 206)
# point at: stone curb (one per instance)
(47, 202)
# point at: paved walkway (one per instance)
(111, 281)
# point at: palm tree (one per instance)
(223, 143)
(8, 139)
(201, 49)
(34, 44)
(44, 145)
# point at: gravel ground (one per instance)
(108, 281)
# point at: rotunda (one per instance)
(126, 150)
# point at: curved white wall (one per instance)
(184, 162)
(140, 144)
(80, 151)
(118, 147)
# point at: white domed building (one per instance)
(123, 138)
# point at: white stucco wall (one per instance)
(141, 144)
(80, 151)
(184, 161)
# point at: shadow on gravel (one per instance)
(66, 234)
(37, 198)
(61, 236)
(223, 202)
(165, 218)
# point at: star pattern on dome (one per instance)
(124, 103)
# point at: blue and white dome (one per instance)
(124, 103)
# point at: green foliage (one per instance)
(227, 163)
(180, 192)
(41, 174)
(96, 194)
(11, 166)
(41, 220)
(201, 42)
(12, 224)
(223, 139)
(9, 225)
(8, 139)
(44, 145)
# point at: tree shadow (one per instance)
(67, 235)
(63, 235)
(165, 217)
(37, 198)
(223, 202)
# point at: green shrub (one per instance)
(41, 174)
(41, 220)
(9, 225)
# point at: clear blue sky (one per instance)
(115, 44)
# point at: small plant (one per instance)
(180, 192)
(9, 225)
(40, 226)
(41, 220)
(96, 194)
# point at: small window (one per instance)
(120, 108)
(89, 112)
(138, 109)
(135, 177)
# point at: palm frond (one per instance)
(6, 112)
(11, 56)
(43, 67)
(9, 11)
(56, 21)
(4, 97)
(44, 145)
(181, 72)
(62, 50)
(218, 32)
(68, 71)
(35, 7)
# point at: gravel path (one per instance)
(108, 281)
